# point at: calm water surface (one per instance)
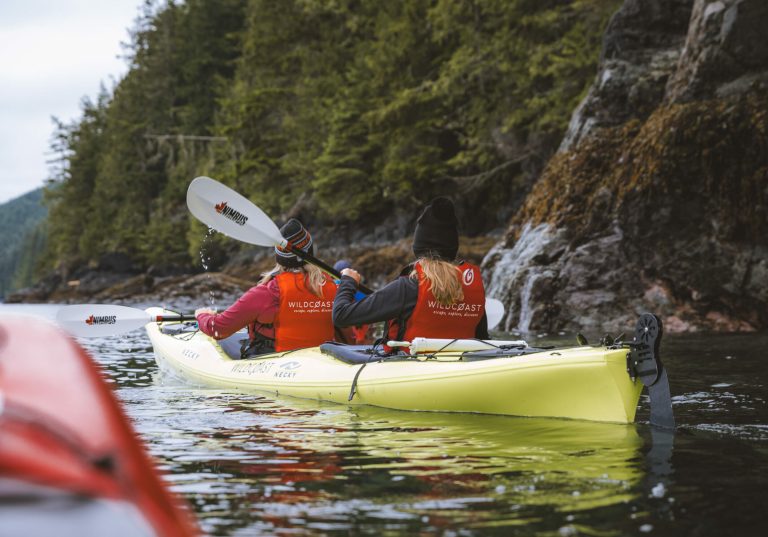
(255, 465)
(252, 464)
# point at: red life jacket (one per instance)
(304, 319)
(432, 319)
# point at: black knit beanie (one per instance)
(437, 233)
(300, 238)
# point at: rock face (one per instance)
(658, 198)
(725, 52)
(641, 47)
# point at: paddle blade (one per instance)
(221, 208)
(95, 320)
(494, 311)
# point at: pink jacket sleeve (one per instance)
(259, 303)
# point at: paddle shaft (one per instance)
(322, 265)
(176, 317)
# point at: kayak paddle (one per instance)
(221, 208)
(494, 311)
(218, 206)
(94, 320)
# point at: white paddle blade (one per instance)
(96, 320)
(221, 208)
(494, 311)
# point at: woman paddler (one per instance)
(290, 308)
(436, 296)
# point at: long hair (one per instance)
(444, 280)
(314, 277)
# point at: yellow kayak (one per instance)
(583, 382)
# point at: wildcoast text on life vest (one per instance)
(325, 304)
(459, 306)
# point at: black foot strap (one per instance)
(644, 362)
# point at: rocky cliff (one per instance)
(658, 197)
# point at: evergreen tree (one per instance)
(335, 109)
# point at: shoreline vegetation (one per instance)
(347, 115)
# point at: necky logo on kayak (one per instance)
(228, 212)
(101, 319)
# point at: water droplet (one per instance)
(659, 491)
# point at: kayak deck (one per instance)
(587, 383)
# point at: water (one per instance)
(251, 464)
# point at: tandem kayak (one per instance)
(596, 383)
(70, 462)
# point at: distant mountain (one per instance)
(23, 236)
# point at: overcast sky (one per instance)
(52, 54)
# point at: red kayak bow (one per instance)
(66, 442)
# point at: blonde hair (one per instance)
(444, 280)
(315, 277)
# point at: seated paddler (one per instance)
(290, 308)
(436, 296)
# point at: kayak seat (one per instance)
(237, 346)
(352, 354)
(233, 344)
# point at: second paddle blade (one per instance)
(95, 320)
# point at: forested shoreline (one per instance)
(24, 239)
(343, 113)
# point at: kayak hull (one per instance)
(585, 383)
(66, 442)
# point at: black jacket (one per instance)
(396, 300)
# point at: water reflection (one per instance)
(248, 459)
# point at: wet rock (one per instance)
(578, 288)
(38, 293)
(658, 199)
(725, 51)
(127, 289)
(641, 48)
(183, 291)
(512, 273)
(94, 282)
